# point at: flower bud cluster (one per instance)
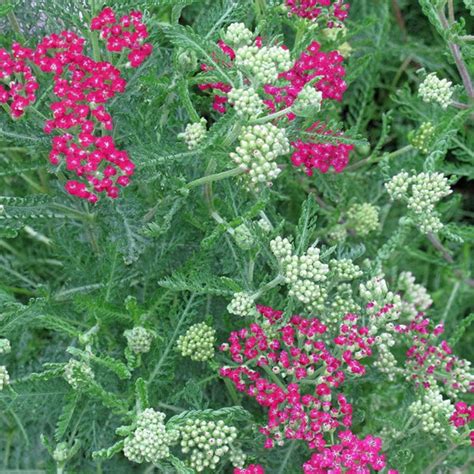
(421, 192)
(434, 412)
(194, 133)
(243, 237)
(398, 186)
(5, 346)
(246, 102)
(77, 372)
(265, 225)
(382, 305)
(150, 441)
(363, 218)
(341, 303)
(259, 147)
(337, 234)
(344, 269)
(263, 64)
(423, 137)
(308, 101)
(198, 342)
(435, 90)
(386, 362)
(139, 339)
(61, 453)
(415, 298)
(4, 377)
(242, 304)
(303, 274)
(237, 458)
(238, 35)
(207, 442)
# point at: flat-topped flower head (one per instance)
(238, 35)
(435, 90)
(150, 441)
(194, 133)
(77, 373)
(198, 342)
(139, 339)
(206, 442)
(259, 147)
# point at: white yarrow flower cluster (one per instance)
(194, 133)
(259, 147)
(76, 372)
(198, 342)
(238, 35)
(246, 102)
(4, 377)
(263, 64)
(150, 441)
(242, 304)
(5, 347)
(435, 90)
(207, 442)
(421, 192)
(433, 411)
(139, 339)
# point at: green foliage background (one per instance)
(157, 256)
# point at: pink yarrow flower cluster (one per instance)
(250, 469)
(291, 370)
(463, 415)
(428, 361)
(352, 455)
(83, 86)
(19, 84)
(129, 32)
(313, 9)
(321, 156)
(274, 363)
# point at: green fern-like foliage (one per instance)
(181, 242)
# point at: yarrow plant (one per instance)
(236, 237)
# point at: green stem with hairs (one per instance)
(215, 177)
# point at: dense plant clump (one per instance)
(236, 236)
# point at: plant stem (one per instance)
(278, 280)
(215, 177)
(287, 457)
(370, 160)
(456, 52)
(275, 115)
(447, 256)
(453, 294)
